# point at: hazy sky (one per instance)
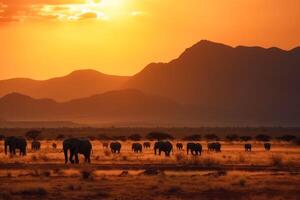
(46, 38)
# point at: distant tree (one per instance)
(2, 137)
(232, 137)
(211, 137)
(60, 137)
(193, 138)
(33, 134)
(119, 137)
(245, 138)
(135, 137)
(287, 138)
(158, 136)
(263, 138)
(103, 137)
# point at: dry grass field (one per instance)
(231, 174)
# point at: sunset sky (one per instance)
(46, 38)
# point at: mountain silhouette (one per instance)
(78, 84)
(247, 84)
(120, 106)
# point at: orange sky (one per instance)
(46, 38)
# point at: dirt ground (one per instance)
(231, 174)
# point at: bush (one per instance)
(60, 137)
(158, 136)
(193, 138)
(212, 137)
(232, 137)
(33, 192)
(33, 134)
(245, 138)
(276, 160)
(135, 137)
(287, 138)
(263, 138)
(119, 137)
(103, 137)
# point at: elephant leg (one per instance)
(159, 152)
(76, 158)
(71, 156)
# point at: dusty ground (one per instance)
(232, 174)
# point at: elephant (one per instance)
(179, 146)
(35, 145)
(115, 147)
(248, 147)
(77, 146)
(136, 147)
(54, 145)
(146, 145)
(14, 143)
(195, 148)
(105, 145)
(164, 146)
(215, 146)
(267, 146)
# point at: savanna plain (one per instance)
(229, 174)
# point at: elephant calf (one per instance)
(248, 147)
(179, 146)
(146, 145)
(215, 146)
(267, 146)
(115, 147)
(36, 145)
(136, 148)
(77, 146)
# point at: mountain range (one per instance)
(209, 83)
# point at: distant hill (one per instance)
(78, 84)
(113, 106)
(241, 84)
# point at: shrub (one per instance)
(263, 138)
(158, 136)
(245, 138)
(211, 137)
(135, 137)
(232, 137)
(287, 138)
(60, 137)
(193, 138)
(103, 137)
(86, 175)
(119, 137)
(242, 182)
(33, 134)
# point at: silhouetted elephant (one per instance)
(267, 146)
(179, 146)
(35, 145)
(215, 146)
(115, 147)
(77, 146)
(195, 148)
(164, 146)
(248, 147)
(54, 145)
(105, 145)
(146, 145)
(14, 143)
(136, 147)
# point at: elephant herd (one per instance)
(74, 146)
